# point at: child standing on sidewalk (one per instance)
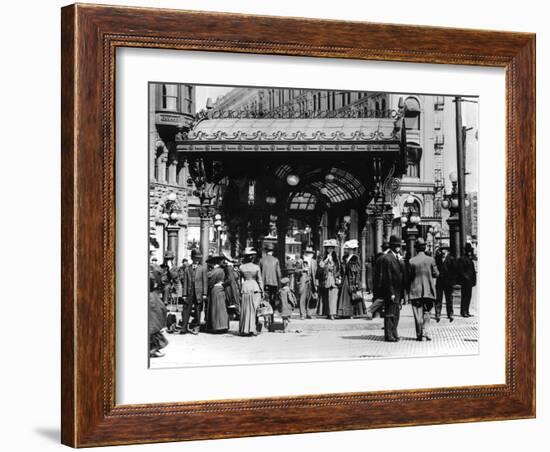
(287, 301)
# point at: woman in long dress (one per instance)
(232, 290)
(157, 319)
(329, 275)
(217, 318)
(252, 292)
(351, 276)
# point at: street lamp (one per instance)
(410, 219)
(330, 178)
(171, 215)
(307, 230)
(293, 179)
(451, 202)
(271, 200)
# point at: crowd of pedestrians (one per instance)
(253, 288)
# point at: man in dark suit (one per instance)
(271, 275)
(306, 270)
(422, 292)
(467, 278)
(195, 289)
(447, 279)
(377, 300)
(390, 284)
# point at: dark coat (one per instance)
(195, 282)
(422, 271)
(157, 312)
(390, 277)
(168, 276)
(377, 292)
(232, 290)
(271, 270)
(351, 282)
(155, 272)
(448, 271)
(216, 312)
(467, 271)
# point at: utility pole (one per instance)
(460, 159)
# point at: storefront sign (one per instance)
(174, 119)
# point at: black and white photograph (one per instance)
(300, 225)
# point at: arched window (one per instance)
(412, 113)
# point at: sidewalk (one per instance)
(320, 339)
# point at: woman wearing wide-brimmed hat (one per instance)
(329, 279)
(351, 277)
(252, 292)
(217, 318)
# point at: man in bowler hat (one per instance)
(377, 300)
(195, 291)
(467, 278)
(447, 267)
(422, 293)
(391, 284)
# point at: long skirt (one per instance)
(217, 319)
(329, 297)
(247, 321)
(345, 304)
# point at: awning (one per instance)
(326, 134)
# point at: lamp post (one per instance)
(307, 230)
(171, 215)
(451, 202)
(410, 219)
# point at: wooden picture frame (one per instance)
(90, 36)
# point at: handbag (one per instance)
(264, 309)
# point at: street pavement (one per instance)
(320, 339)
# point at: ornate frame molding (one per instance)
(90, 37)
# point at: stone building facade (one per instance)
(430, 125)
(171, 111)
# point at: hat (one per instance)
(420, 243)
(309, 249)
(195, 253)
(395, 241)
(169, 255)
(351, 244)
(285, 281)
(468, 247)
(248, 251)
(269, 246)
(215, 259)
(385, 246)
(330, 242)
